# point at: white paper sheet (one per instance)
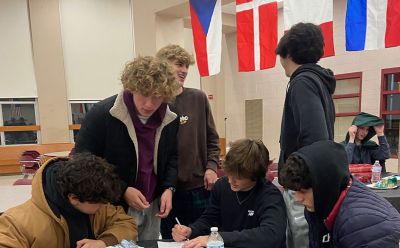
(169, 244)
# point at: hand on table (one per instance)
(135, 199)
(198, 242)
(90, 243)
(210, 177)
(165, 204)
(181, 232)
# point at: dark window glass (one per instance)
(392, 132)
(22, 137)
(79, 111)
(18, 114)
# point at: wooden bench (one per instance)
(9, 155)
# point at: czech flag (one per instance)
(319, 12)
(372, 24)
(207, 34)
(257, 34)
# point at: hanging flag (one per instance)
(207, 34)
(372, 24)
(257, 34)
(319, 12)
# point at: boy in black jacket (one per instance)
(136, 132)
(248, 210)
(308, 113)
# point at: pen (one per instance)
(177, 221)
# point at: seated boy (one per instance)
(360, 149)
(248, 210)
(340, 211)
(69, 207)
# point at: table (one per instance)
(57, 154)
(148, 243)
(392, 195)
(11, 196)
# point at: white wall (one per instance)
(17, 78)
(97, 39)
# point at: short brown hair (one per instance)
(175, 52)
(247, 158)
(150, 76)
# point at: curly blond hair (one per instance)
(150, 76)
(175, 52)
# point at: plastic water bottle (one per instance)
(215, 240)
(376, 172)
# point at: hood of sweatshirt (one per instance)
(366, 120)
(329, 170)
(326, 75)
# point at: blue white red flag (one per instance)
(319, 12)
(372, 24)
(207, 34)
(257, 34)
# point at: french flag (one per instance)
(257, 34)
(319, 12)
(372, 24)
(207, 34)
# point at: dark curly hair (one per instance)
(90, 178)
(295, 174)
(303, 43)
(248, 159)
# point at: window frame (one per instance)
(36, 127)
(383, 94)
(351, 95)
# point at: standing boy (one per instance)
(136, 132)
(308, 113)
(197, 145)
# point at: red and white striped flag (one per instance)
(257, 34)
(319, 12)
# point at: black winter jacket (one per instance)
(364, 219)
(107, 131)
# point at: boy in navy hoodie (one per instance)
(340, 210)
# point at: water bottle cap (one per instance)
(214, 229)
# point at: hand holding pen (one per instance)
(180, 232)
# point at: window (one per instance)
(18, 122)
(347, 100)
(78, 112)
(390, 107)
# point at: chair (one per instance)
(30, 163)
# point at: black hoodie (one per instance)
(364, 219)
(329, 171)
(309, 112)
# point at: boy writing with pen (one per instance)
(248, 210)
